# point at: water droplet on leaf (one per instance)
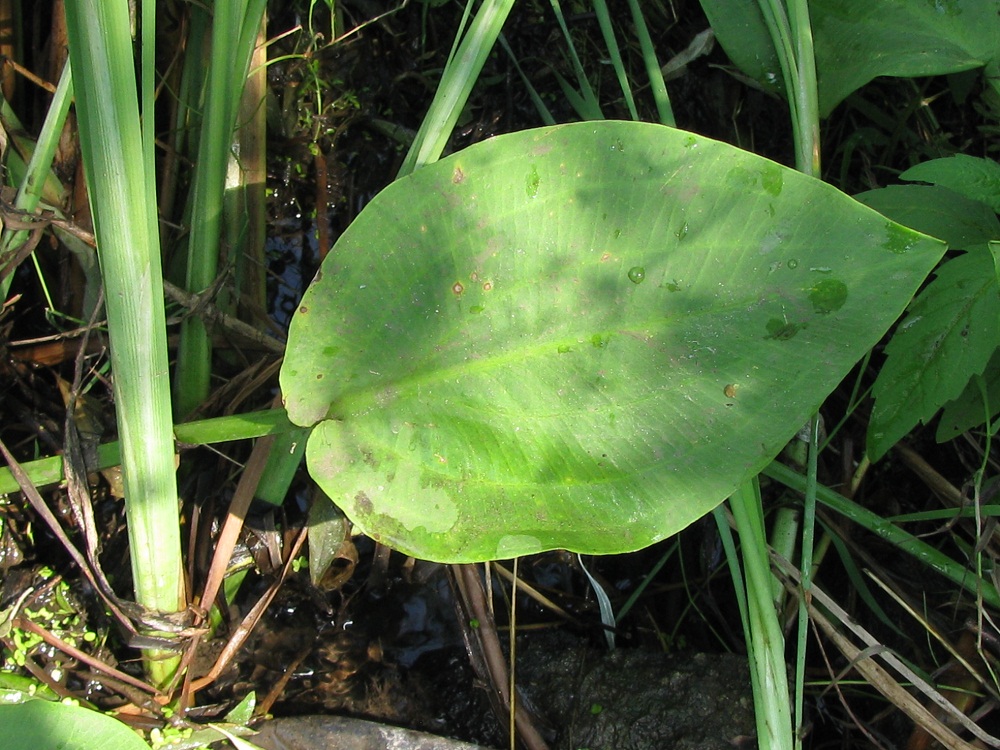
(637, 274)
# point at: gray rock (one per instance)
(322, 732)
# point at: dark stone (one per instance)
(636, 699)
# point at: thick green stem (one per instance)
(806, 93)
(128, 245)
(234, 34)
(765, 642)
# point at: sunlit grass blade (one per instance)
(124, 222)
(460, 74)
(806, 93)
(611, 42)
(657, 85)
(584, 104)
(49, 471)
(37, 171)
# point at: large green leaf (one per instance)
(38, 724)
(582, 336)
(857, 40)
(975, 178)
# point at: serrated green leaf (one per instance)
(968, 410)
(948, 335)
(583, 337)
(937, 211)
(975, 178)
(857, 40)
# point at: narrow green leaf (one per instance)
(925, 554)
(968, 410)
(948, 335)
(456, 84)
(583, 336)
(614, 54)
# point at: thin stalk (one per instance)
(543, 111)
(124, 224)
(776, 19)
(791, 34)
(194, 355)
(890, 532)
(806, 558)
(184, 122)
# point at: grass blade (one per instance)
(124, 221)
(456, 84)
(604, 21)
(657, 85)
